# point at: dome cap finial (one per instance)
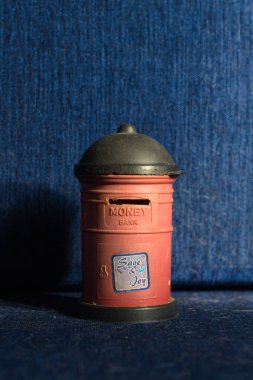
(126, 128)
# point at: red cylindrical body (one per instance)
(126, 239)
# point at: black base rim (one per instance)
(128, 314)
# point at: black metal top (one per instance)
(127, 152)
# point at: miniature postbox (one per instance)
(126, 198)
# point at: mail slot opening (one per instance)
(122, 201)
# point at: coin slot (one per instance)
(128, 201)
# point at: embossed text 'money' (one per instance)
(127, 211)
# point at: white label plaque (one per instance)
(130, 271)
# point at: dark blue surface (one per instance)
(211, 339)
(71, 71)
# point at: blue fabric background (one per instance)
(71, 71)
(211, 339)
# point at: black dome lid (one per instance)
(127, 152)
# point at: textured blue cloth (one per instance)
(211, 339)
(71, 71)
